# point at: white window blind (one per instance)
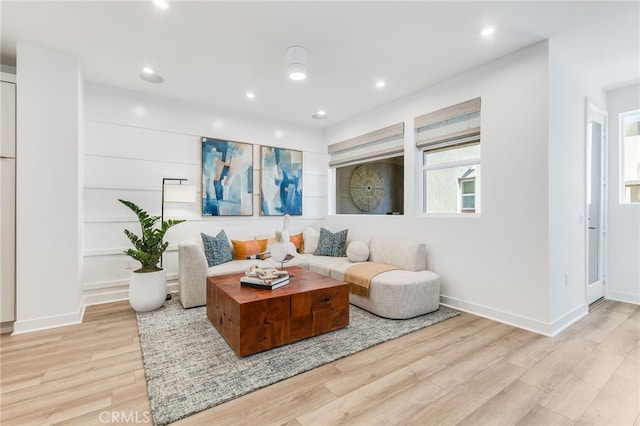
(382, 143)
(456, 125)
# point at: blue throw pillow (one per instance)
(331, 244)
(217, 249)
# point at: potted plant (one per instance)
(148, 285)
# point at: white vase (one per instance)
(147, 290)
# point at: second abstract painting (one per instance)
(280, 181)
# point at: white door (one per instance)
(595, 196)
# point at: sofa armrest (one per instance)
(192, 274)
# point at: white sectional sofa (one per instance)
(406, 292)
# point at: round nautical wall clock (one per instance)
(366, 187)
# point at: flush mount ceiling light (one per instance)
(149, 75)
(380, 84)
(297, 63)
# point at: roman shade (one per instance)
(449, 127)
(382, 143)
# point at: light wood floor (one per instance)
(466, 370)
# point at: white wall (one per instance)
(569, 87)
(48, 215)
(133, 140)
(623, 268)
(496, 264)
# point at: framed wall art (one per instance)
(227, 178)
(280, 181)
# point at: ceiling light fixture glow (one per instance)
(321, 114)
(297, 63)
(149, 75)
(161, 4)
(488, 31)
(380, 84)
(251, 95)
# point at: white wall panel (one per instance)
(134, 140)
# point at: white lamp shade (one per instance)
(180, 193)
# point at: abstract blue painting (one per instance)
(280, 181)
(227, 178)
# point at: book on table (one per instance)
(256, 282)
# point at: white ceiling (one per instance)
(212, 52)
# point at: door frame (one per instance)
(593, 113)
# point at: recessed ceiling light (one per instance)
(380, 84)
(148, 74)
(488, 31)
(321, 114)
(278, 134)
(161, 4)
(251, 95)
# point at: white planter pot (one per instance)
(147, 290)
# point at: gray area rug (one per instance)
(189, 367)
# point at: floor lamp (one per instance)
(176, 193)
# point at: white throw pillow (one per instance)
(310, 237)
(358, 251)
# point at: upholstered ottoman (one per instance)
(401, 294)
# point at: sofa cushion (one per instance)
(310, 237)
(333, 267)
(216, 249)
(358, 251)
(248, 249)
(331, 244)
(404, 254)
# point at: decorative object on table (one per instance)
(280, 181)
(148, 284)
(173, 193)
(183, 354)
(283, 250)
(366, 187)
(264, 278)
(227, 178)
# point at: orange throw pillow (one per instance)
(297, 241)
(249, 249)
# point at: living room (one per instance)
(520, 261)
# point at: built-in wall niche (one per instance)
(374, 188)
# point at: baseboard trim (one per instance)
(114, 294)
(519, 321)
(46, 323)
(621, 296)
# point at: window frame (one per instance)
(621, 142)
(470, 162)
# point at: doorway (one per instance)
(595, 202)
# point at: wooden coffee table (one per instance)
(253, 320)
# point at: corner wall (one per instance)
(497, 264)
(623, 267)
(48, 214)
(569, 89)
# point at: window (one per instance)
(630, 151)
(450, 143)
(468, 194)
(369, 172)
